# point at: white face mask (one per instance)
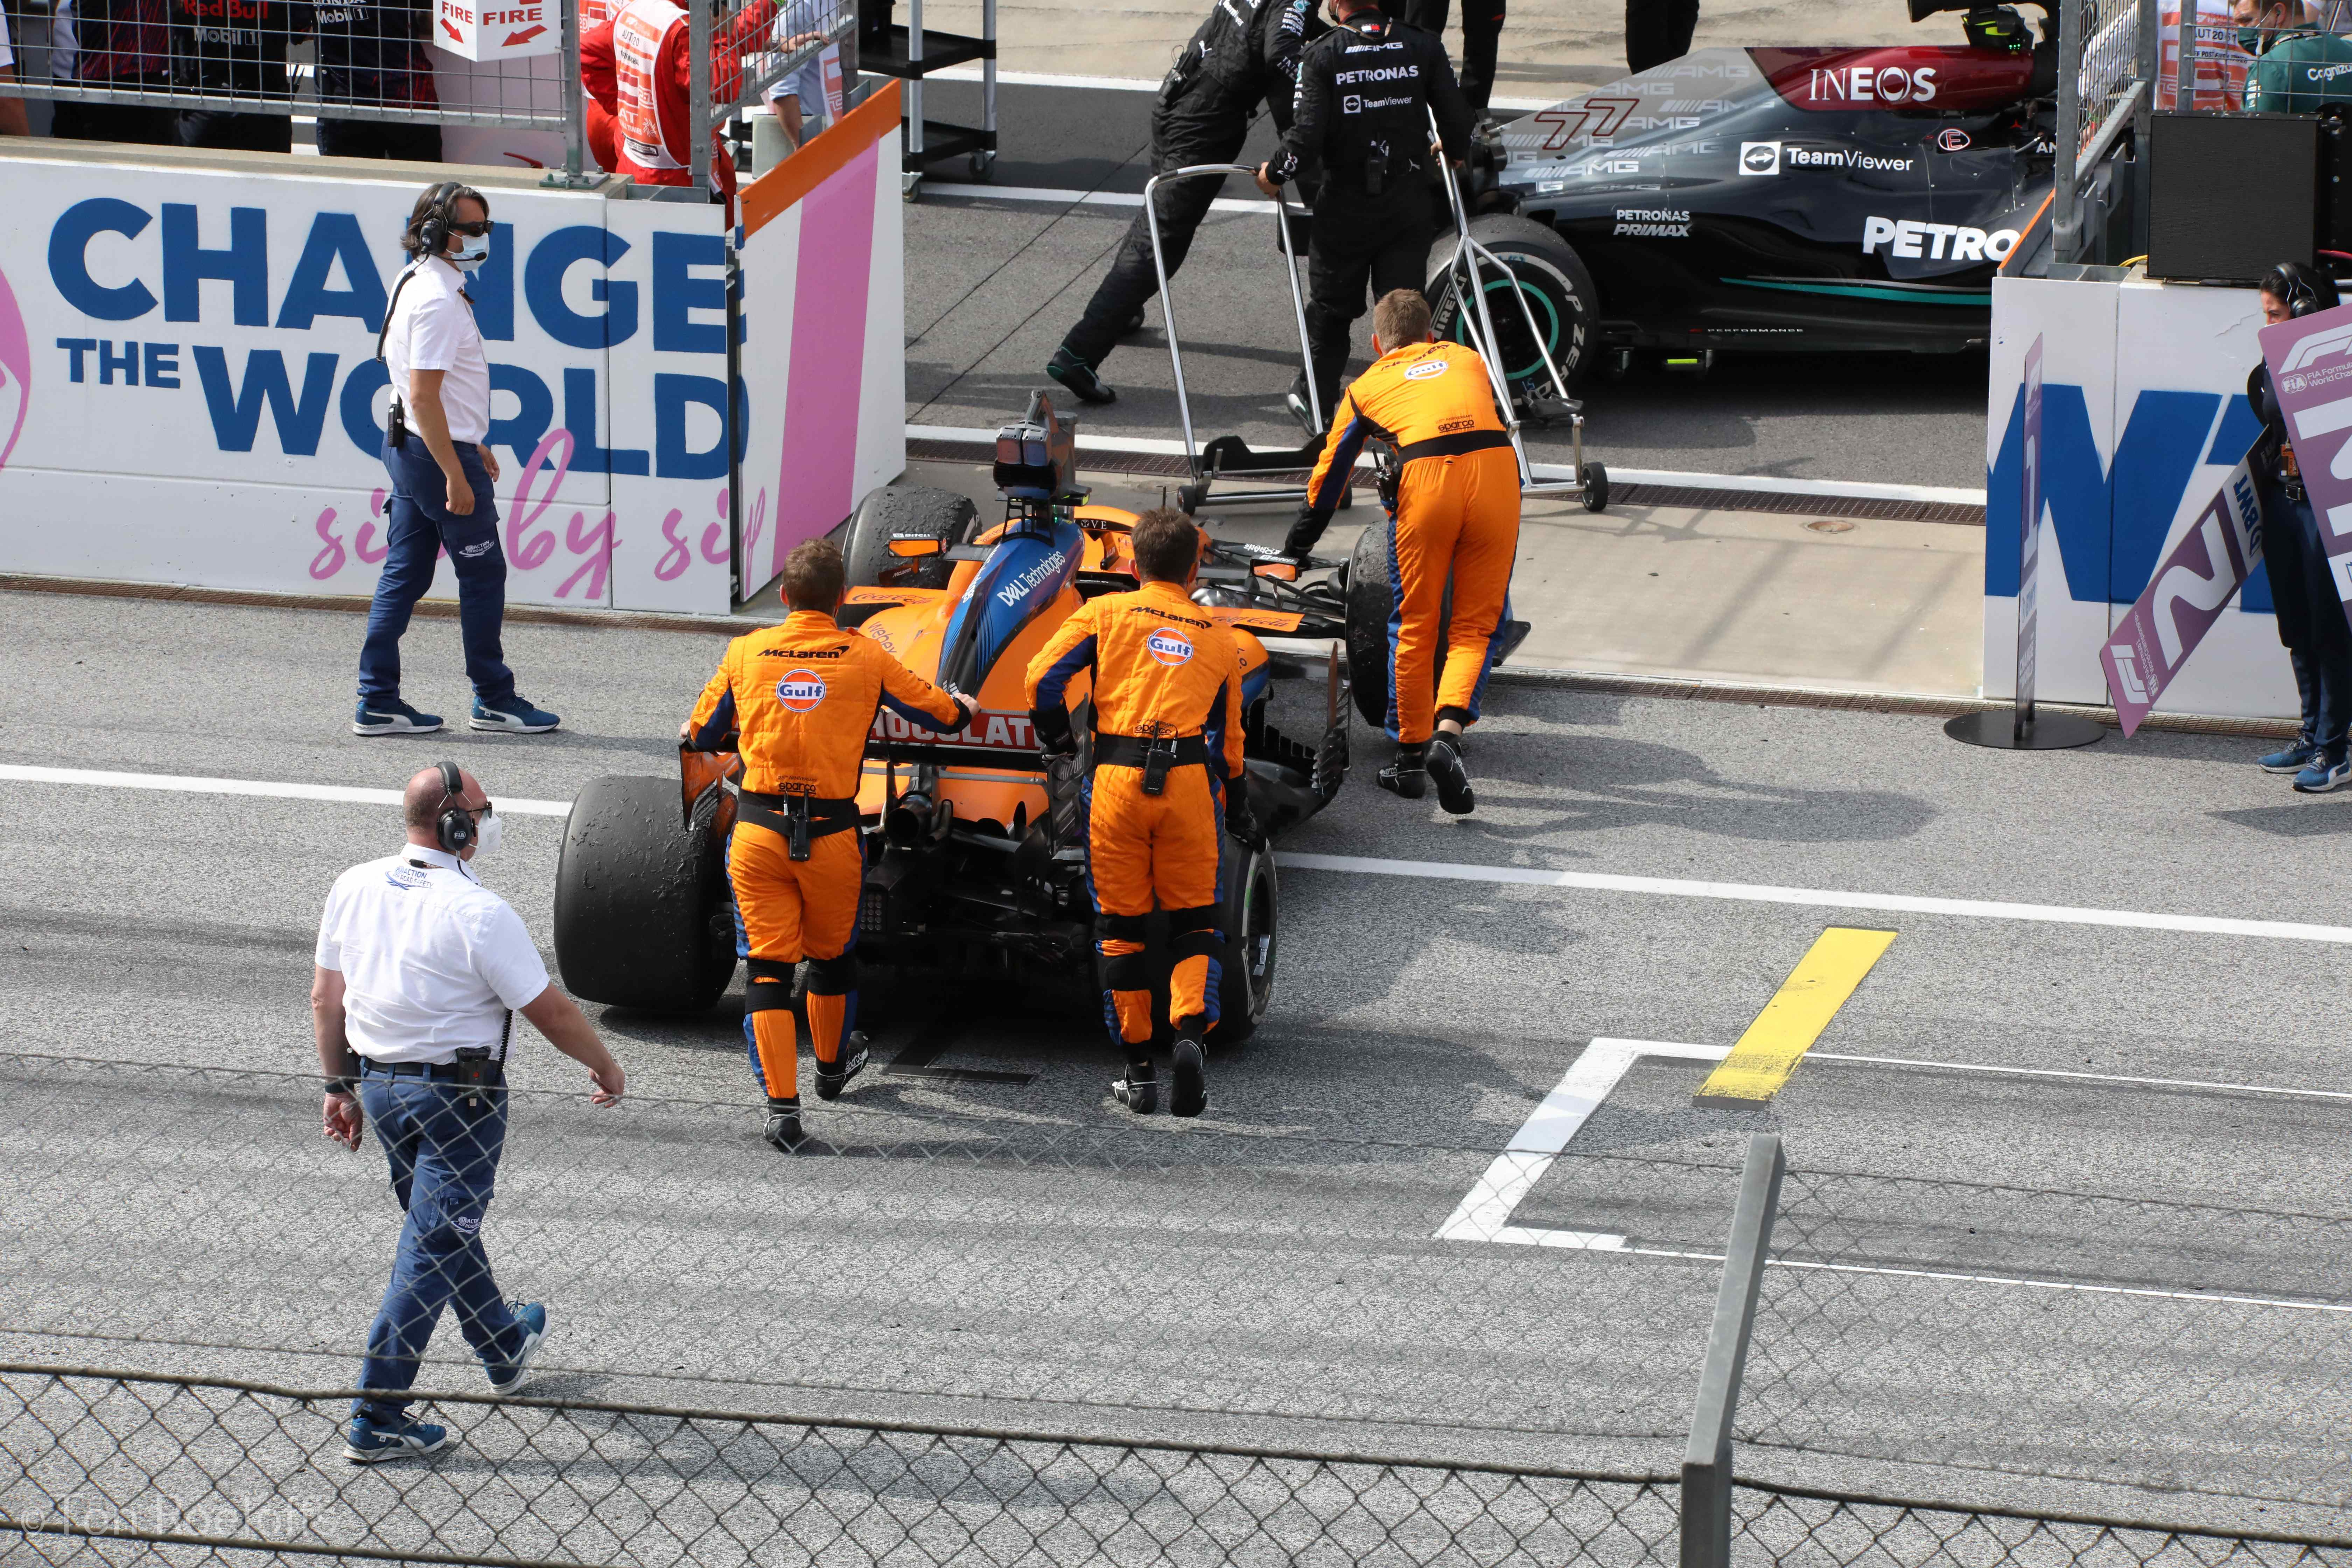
(473, 249)
(489, 834)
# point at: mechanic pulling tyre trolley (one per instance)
(804, 696)
(1167, 782)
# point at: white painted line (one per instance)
(1080, 198)
(344, 793)
(1842, 488)
(1485, 1214)
(1818, 898)
(2088, 1077)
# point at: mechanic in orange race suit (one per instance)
(803, 694)
(1167, 781)
(635, 66)
(1457, 513)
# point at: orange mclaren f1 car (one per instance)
(975, 853)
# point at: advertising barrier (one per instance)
(2144, 419)
(189, 392)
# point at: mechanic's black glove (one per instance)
(1242, 821)
(1299, 543)
(1053, 728)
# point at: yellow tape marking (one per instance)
(1777, 1041)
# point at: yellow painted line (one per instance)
(1777, 1041)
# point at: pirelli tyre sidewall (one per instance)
(640, 899)
(1372, 599)
(894, 511)
(1252, 900)
(1559, 290)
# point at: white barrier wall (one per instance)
(187, 367)
(2144, 415)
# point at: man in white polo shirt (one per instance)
(420, 971)
(436, 448)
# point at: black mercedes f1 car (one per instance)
(1772, 199)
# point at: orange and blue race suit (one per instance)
(804, 694)
(1166, 677)
(1457, 515)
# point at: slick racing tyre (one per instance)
(1372, 599)
(1252, 898)
(640, 899)
(895, 511)
(1558, 292)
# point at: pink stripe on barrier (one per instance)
(830, 285)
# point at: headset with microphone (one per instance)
(433, 234)
(453, 827)
(2303, 294)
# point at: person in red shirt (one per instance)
(603, 130)
(635, 66)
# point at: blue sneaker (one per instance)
(369, 1442)
(392, 717)
(515, 716)
(2293, 760)
(2324, 775)
(506, 1378)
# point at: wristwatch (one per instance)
(350, 1085)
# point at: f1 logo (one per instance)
(1759, 157)
(2126, 665)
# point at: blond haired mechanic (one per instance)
(1167, 781)
(1457, 515)
(804, 694)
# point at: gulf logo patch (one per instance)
(801, 690)
(1168, 646)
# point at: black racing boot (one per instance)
(832, 1080)
(1453, 780)
(784, 1133)
(1189, 1093)
(1139, 1091)
(1079, 376)
(1300, 409)
(1409, 774)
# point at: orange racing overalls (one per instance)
(803, 694)
(1457, 514)
(1167, 691)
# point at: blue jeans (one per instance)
(443, 1144)
(418, 523)
(2311, 620)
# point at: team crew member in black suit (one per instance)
(114, 46)
(1366, 92)
(1482, 39)
(373, 52)
(1246, 52)
(237, 46)
(1658, 31)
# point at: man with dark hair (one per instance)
(1243, 52)
(1457, 520)
(800, 698)
(1167, 781)
(375, 53)
(113, 45)
(1366, 92)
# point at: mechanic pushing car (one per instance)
(1366, 90)
(1167, 783)
(803, 694)
(1457, 517)
(1247, 51)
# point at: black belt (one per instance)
(1454, 445)
(798, 817)
(1138, 751)
(444, 1072)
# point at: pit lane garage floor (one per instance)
(997, 273)
(2115, 972)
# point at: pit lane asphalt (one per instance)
(992, 284)
(147, 927)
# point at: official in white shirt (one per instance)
(436, 448)
(420, 971)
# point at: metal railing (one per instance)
(2107, 55)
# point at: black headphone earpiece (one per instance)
(454, 827)
(434, 235)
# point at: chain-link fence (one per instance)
(2106, 86)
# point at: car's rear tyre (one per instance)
(895, 511)
(1252, 900)
(1372, 599)
(638, 899)
(1559, 295)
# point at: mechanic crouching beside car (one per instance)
(2303, 588)
(804, 694)
(1167, 783)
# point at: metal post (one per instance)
(697, 93)
(2065, 213)
(915, 85)
(988, 69)
(2184, 63)
(1706, 1464)
(2149, 69)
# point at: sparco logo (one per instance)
(1013, 593)
(1873, 84)
(1759, 157)
(1941, 241)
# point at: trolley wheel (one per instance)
(891, 511)
(980, 163)
(1596, 487)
